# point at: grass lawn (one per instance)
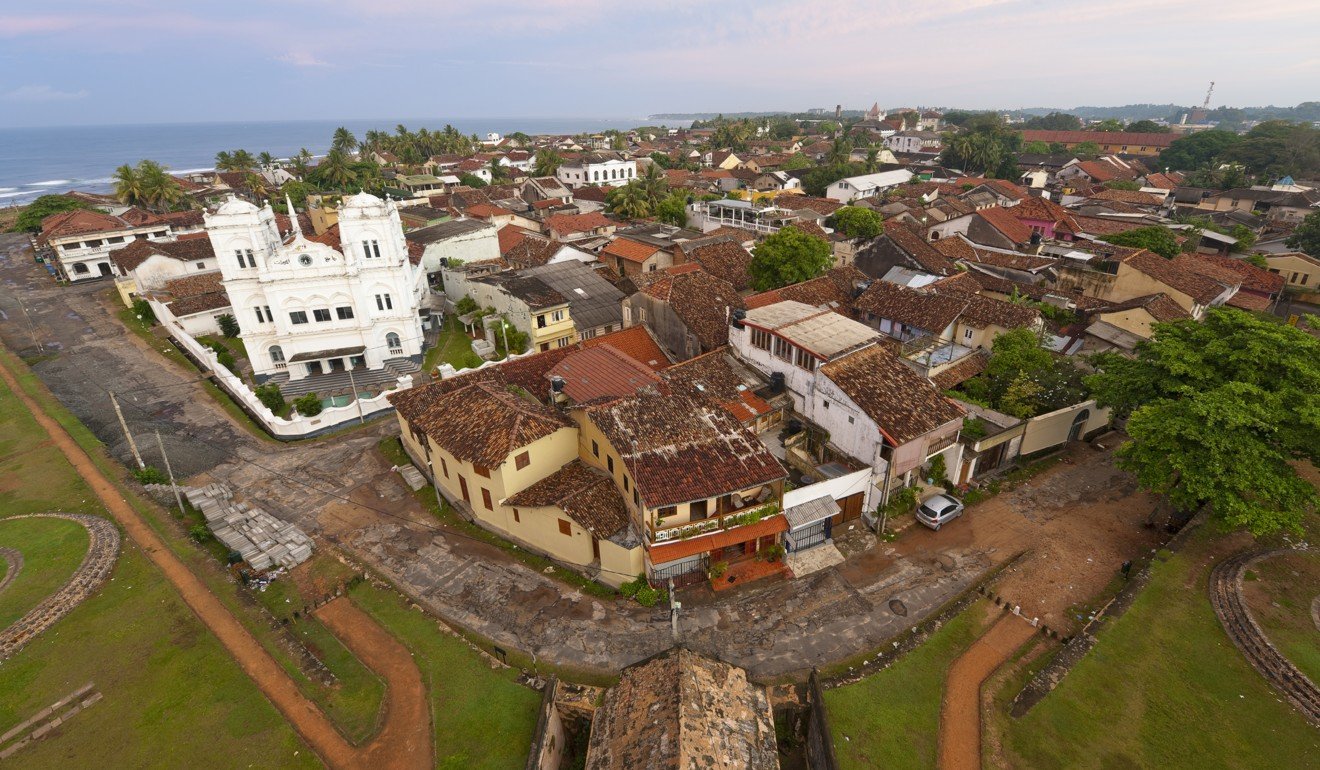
(483, 718)
(891, 719)
(52, 549)
(1164, 687)
(1279, 591)
(453, 347)
(173, 696)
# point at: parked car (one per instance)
(939, 510)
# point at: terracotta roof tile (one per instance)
(961, 372)
(1202, 290)
(722, 258)
(701, 301)
(928, 312)
(582, 492)
(1006, 223)
(196, 293)
(637, 343)
(601, 371)
(633, 251)
(902, 403)
(918, 249)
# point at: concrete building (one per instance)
(466, 240)
(597, 168)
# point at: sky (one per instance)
(93, 62)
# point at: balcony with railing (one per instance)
(929, 351)
(726, 517)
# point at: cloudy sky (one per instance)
(145, 61)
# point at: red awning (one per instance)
(667, 552)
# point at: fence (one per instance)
(289, 428)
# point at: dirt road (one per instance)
(960, 713)
(305, 717)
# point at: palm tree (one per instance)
(629, 201)
(547, 162)
(301, 162)
(160, 191)
(872, 160)
(840, 152)
(243, 160)
(655, 186)
(343, 140)
(335, 171)
(224, 161)
(256, 184)
(497, 170)
(128, 185)
(266, 159)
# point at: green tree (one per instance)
(1147, 127)
(334, 171)
(1158, 239)
(840, 151)
(1086, 150)
(1277, 147)
(1109, 125)
(271, 397)
(228, 325)
(673, 209)
(629, 201)
(296, 192)
(302, 162)
(266, 159)
(498, 171)
(309, 405)
(1218, 412)
(128, 186)
(788, 256)
(1036, 148)
(29, 221)
(1198, 150)
(1307, 235)
(1055, 121)
(547, 162)
(1023, 379)
(471, 180)
(795, 161)
(858, 222)
(344, 141)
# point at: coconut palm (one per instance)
(498, 171)
(243, 160)
(256, 184)
(128, 185)
(654, 185)
(840, 152)
(872, 160)
(160, 191)
(343, 140)
(301, 162)
(266, 159)
(547, 162)
(629, 201)
(335, 170)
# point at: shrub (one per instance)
(199, 534)
(308, 405)
(142, 309)
(939, 472)
(226, 359)
(631, 588)
(151, 475)
(773, 553)
(465, 305)
(271, 397)
(718, 569)
(228, 325)
(647, 596)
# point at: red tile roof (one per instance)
(586, 494)
(902, 403)
(928, 312)
(601, 371)
(1132, 140)
(701, 301)
(633, 251)
(567, 224)
(1006, 223)
(637, 343)
(726, 259)
(510, 236)
(128, 258)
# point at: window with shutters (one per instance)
(565, 528)
(485, 499)
(481, 470)
(522, 460)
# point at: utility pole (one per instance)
(674, 607)
(170, 472)
(132, 445)
(356, 400)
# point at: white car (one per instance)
(939, 510)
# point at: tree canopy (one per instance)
(1055, 121)
(858, 222)
(1158, 239)
(1188, 153)
(1217, 412)
(149, 184)
(1276, 147)
(1307, 235)
(29, 221)
(985, 146)
(788, 256)
(1147, 127)
(1023, 379)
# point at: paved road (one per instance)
(341, 489)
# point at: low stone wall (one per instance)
(1078, 646)
(548, 739)
(102, 552)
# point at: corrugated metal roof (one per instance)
(811, 512)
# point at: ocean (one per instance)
(37, 161)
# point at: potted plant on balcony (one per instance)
(718, 569)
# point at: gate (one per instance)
(809, 536)
(685, 574)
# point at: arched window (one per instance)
(277, 356)
(393, 342)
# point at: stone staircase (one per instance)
(371, 381)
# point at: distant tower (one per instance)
(838, 112)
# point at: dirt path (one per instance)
(960, 713)
(305, 717)
(404, 741)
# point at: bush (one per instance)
(199, 534)
(228, 325)
(647, 596)
(308, 405)
(631, 588)
(939, 471)
(773, 553)
(271, 397)
(226, 359)
(465, 305)
(142, 309)
(718, 569)
(151, 475)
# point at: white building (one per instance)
(597, 168)
(466, 240)
(307, 308)
(867, 185)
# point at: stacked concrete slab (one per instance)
(263, 541)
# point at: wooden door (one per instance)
(462, 486)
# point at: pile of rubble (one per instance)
(262, 540)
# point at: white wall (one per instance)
(469, 247)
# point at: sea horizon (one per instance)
(37, 161)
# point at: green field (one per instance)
(52, 550)
(1287, 584)
(891, 719)
(173, 696)
(1164, 687)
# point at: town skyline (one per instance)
(347, 60)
